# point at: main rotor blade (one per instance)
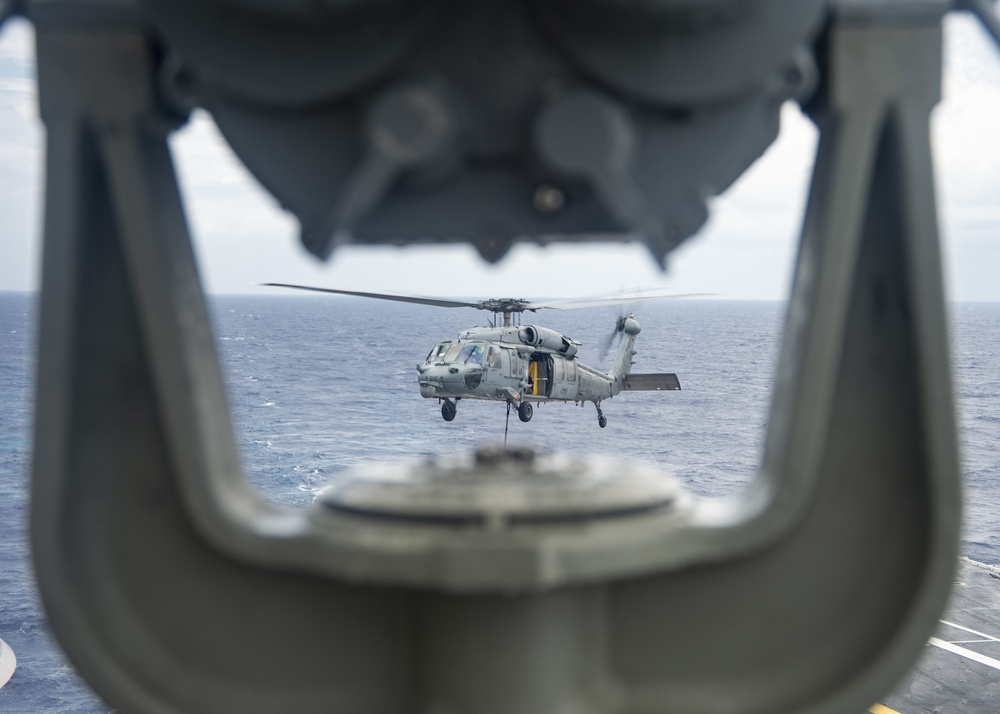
(418, 299)
(597, 300)
(501, 304)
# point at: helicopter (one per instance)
(524, 364)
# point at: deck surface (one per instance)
(959, 671)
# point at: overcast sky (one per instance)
(745, 252)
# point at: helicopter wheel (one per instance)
(524, 411)
(602, 421)
(448, 410)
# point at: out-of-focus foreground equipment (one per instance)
(8, 663)
(583, 585)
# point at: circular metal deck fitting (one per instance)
(497, 488)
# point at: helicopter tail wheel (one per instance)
(524, 411)
(602, 421)
(448, 410)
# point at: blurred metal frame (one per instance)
(174, 587)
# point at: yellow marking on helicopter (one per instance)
(881, 709)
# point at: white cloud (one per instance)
(20, 159)
(966, 144)
(17, 44)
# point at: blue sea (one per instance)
(319, 384)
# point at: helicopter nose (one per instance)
(473, 377)
(454, 380)
(450, 377)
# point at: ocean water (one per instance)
(320, 384)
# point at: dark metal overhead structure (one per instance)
(373, 121)
(168, 580)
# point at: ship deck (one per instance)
(959, 671)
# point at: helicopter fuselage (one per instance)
(511, 363)
(524, 364)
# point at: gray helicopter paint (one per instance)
(509, 380)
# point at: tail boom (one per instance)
(660, 382)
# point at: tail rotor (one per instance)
(613, 339)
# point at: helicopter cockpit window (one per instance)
(452, 352)
(471, 354)
(438, 351)
(493, 358)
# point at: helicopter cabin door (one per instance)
(495, 376)
(540, 375)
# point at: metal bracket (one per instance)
(173, 587)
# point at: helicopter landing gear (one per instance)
(524, 411)
(602, 421)
(448, 410)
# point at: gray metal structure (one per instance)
(164, 574)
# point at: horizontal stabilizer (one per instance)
(651, 382)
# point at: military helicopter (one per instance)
(521, 364)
